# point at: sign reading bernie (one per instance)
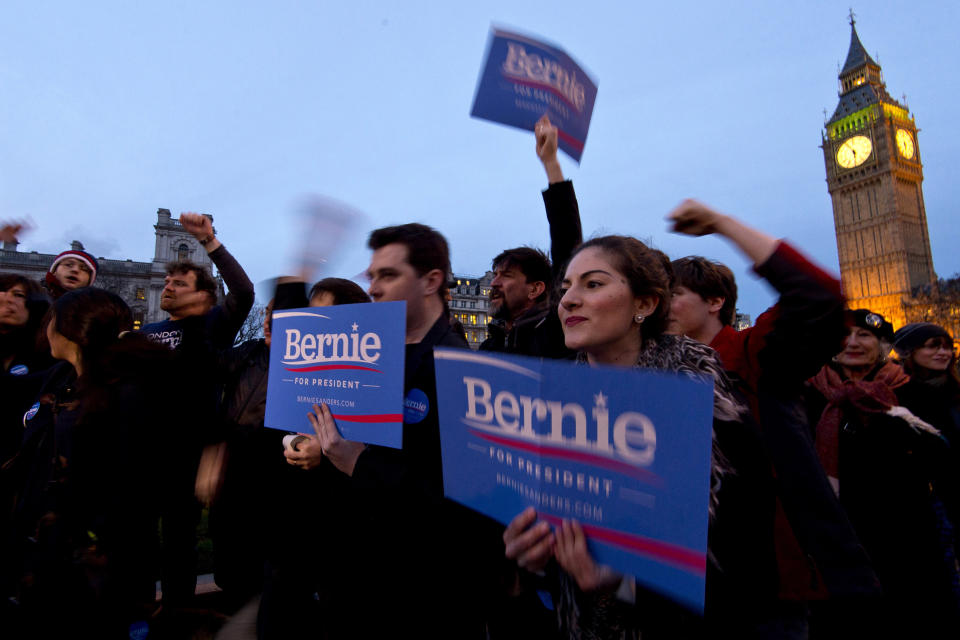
(625, 452)
(523, 79)
(349, 357)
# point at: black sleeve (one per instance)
(563, 214)
(411, 476)
(239, 298)
(232, 362)
(808, 326)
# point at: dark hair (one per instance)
(92, 318)
(95, 319)
(532, 263)
(205, 280)
(36, 303)
(29, 339)
(343, 291)
(10, 280)
(646, 269)
(911, 337)
(917, 371)
(708, 279)
(427, 249)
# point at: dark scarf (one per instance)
(864, 397)
(694, 360)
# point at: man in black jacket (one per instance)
(521, 293)
(198, 330)
(420, 566)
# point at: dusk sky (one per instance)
(239, 109)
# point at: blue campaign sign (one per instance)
(348, 356)
(626, 452)
(523, 78)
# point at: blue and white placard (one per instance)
(523, 79)
(348, 356)
(625, 452)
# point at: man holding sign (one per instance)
(426, 557)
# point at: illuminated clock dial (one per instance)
(854, 152)
(905, 143)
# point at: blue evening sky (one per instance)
(110, 110)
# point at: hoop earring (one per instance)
(639, 318)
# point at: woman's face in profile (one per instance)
(598, 307)
(934, 354)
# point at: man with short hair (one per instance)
(422, 565)
(522, 303)
(198, 330)
(704, 298)
(190, 295)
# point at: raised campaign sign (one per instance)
(523, 79)
(348, 356)
(625, 452)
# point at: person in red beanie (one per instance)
(70, 270)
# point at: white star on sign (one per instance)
(354, 326)
(600, 400)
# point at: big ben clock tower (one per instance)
(874, 176)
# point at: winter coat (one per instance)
(538, 332)
(817, 551)
(890, 476)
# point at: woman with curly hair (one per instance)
(614, 310)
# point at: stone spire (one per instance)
(857, 56)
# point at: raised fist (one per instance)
(199, 226)
(546, 135)
(694, 219)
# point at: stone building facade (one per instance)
(140, 284)
(875, 176)
(470, 303)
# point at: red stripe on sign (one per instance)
(578, 456)
(330, 367)
(681, 557)
(381, 417)
(569, 139)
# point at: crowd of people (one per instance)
(833, 505)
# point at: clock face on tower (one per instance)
(854, 152)
(905, 143)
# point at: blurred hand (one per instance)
(572, 555)
(210, 473)
(546, 135)
(529, 545)
(695, 219)
(342, 453)
(199, 226)
(10, 230)
(308, 455)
